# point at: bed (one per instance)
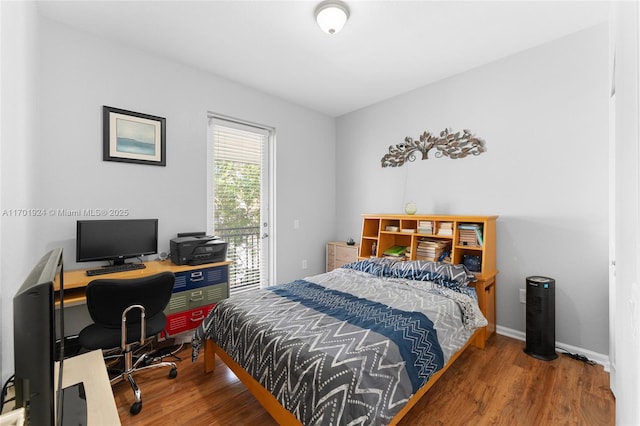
(357, 345)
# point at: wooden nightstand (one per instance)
(340, 253)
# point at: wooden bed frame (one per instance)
(486, 291)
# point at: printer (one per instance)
(197, 249)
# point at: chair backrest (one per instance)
(108, 298)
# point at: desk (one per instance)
(76, 281)
(196, 291)
(90, 369)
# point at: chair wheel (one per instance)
(135, 408)
(173, 373)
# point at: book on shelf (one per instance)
(467, 238)
(470, 234)
(428, 259)
(432, 248)
(466, 225)
(445, 228)
(479, 237)
(395, 251)
(444, 257)
(398, 258)
(425, 227)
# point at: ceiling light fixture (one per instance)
(331, 15)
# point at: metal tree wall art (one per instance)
(452, 145)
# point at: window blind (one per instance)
(238, 168)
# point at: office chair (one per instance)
(125, 312)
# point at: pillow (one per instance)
(372, 267)
(445, 274)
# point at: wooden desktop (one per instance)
(77, 280)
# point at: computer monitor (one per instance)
(34, 340)
(115, 240)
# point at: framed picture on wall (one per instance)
(132, 137)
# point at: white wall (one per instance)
(544, 116)
(625, 348)
(79, 73)
(18, 136)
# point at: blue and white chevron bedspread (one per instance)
(412, 332)
(342, 348)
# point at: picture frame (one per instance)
(133, 137)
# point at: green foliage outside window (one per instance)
(237, 195)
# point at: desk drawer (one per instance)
(187, 320)
(195, 298)
(202, 277)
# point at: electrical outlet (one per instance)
(523, 295)
(304, 263)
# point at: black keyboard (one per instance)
(115, 268)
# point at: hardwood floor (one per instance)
(499, 385)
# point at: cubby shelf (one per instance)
(386, 230)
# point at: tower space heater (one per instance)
(541, 318)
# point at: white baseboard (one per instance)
(593, 356)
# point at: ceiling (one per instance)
(385, 49)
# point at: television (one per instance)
(34, 341)
(115, 240)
